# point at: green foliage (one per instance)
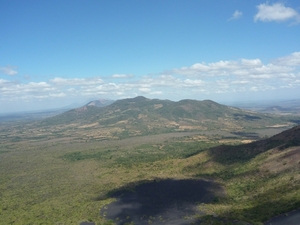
(187, 149)
(76, 156)
(142, 154)
(3, 151)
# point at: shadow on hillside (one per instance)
(295, 121)
(228, 154)
(238, 116)
(160, 202)
(250, 135)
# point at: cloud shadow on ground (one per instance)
(166, 201)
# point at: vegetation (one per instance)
(63, 183)
(142, 116)
(61, 173)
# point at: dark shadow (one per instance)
(228, 154)
(245, 117)
(295, 121)
(250, 135)
(161, 202)
(87, 223)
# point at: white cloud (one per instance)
(193, 83)
(8, 70)
(254, 88)
(241, 82)
(290, 60)
(145, 90)
(76, 81)
(236, 15)
(276, 12)
(243, 67)
(58, 95)
(261, 76)
(3, 82)
(225, 76)
(32, 88)
(122, 76)
(239, 75)
(251, 62)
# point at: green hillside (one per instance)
(142, 116)
(261, 178)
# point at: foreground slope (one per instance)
(262, 178)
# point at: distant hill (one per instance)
(283, 107)
(277, 110)
(274, 109)
(141, 116)
(100, 102)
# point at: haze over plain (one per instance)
(56, 53)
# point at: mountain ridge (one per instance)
(142, 116)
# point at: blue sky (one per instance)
(55, 53)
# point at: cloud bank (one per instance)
(228, 76)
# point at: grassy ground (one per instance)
(63, 183)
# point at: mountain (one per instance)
(100, 102)
(279, 110)
(274, 109)
(142, 116)
(283, 107)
